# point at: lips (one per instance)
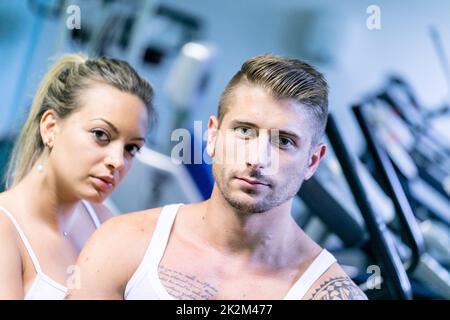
(104, 183)
(108, 179)
(253, 182)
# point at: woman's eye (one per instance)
(100, 135)
(246, 132)
(133, 149)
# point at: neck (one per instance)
(44, 199)
(265, 237)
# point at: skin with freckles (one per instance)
(88, 154)
(241, 243)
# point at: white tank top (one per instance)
(146, 285)
(44, 287)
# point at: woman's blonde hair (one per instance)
(59, 91)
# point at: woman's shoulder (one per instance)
(10, 260)
(8, 231)
(7, 228)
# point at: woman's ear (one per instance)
(48, 127)
(213, 127)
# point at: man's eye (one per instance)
(246, 132)
(100, 135)
(284, 142)
(133, 149)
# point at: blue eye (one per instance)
(246, 132)
(284, 143)
(100, 135)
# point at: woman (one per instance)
(86, 123)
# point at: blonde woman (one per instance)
(86, 123)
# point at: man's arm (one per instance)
(335, 284)
(111, 256)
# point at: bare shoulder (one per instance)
(335, 284)
(112, 255)
(123, 233)
(8, 232)
(10, 260)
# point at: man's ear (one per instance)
(48, 127)
(314, 160)
(213, 128)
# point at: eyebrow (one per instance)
(291, 134)
(116, 131)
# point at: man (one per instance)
(241, 243)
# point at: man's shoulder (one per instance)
(335, 284)
(120, 243)
(133, 224)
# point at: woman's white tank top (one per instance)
(44, 287)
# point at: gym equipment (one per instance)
(423, 266)
(387, 256)
(330, 200)
(420, 162)
(6, 146)
(185, 88)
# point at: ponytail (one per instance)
(29, 146)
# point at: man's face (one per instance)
(262, 151)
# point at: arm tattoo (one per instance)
(340, 288)
(184, 286)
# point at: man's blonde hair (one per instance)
(284, 78)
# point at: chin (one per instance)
(246, 203)
(97, 199)
(95, 196)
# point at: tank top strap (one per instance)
(315, 270)
(92, 213)
(24, 239)
(155, 250)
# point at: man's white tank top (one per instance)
(44, 287)
(146, 285)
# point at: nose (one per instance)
(115, 159)
(259, 151)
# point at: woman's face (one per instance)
(93, 148)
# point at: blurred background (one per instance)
(381, 200)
